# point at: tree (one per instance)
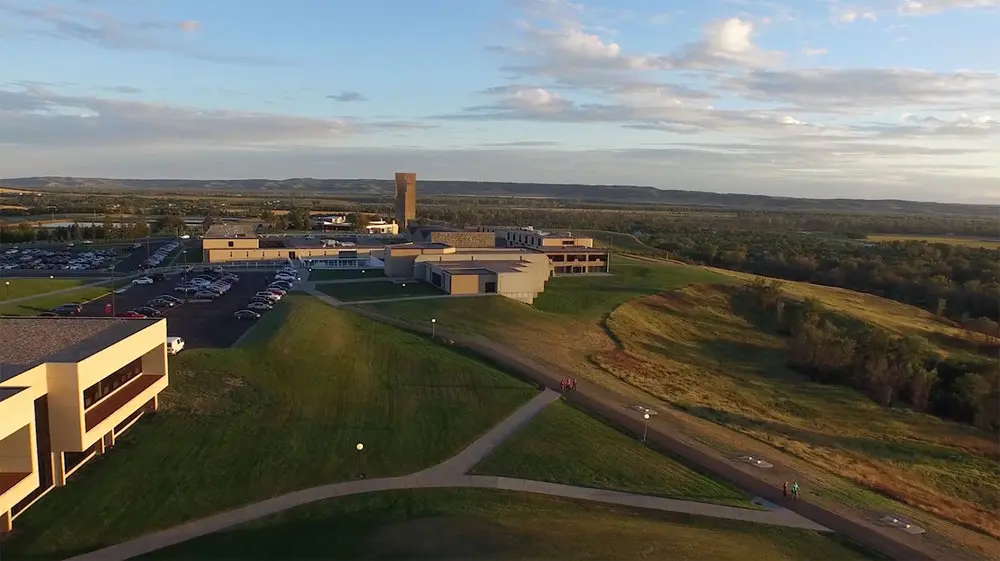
(267, 215)
(921, 385)
(940, 307)
(299, 219)
(359, 220)
(207, 223)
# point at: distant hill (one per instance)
(622, 194)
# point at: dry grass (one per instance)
(690, 349)
(968, 242)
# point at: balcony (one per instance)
(99, 412)
(9, 480)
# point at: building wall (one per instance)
(228, 255)
(229, 243)
(464, 239)
(465, 283)
(406, 198)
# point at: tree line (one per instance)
(891, 369)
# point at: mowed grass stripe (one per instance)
(281, 412)
(565, 445)
(44, 303)
(22, 287)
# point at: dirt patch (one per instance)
(441, 538)
(200, 393)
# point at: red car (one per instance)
(130, 314)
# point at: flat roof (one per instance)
(511, 250)
(30, 341)
(419, 245)
(570, 249)
(478, 266)
(231, 230)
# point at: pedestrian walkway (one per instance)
(311, 289)
(450, 474)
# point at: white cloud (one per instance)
(189, 26)
(39, 117)
(853, 15)
(924, 7)
(817, 52)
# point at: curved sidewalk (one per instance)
(451, 473)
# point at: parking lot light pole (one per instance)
(645, 425)
(360, 447)
(433, 327)
(6, 289)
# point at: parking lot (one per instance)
(200, 324)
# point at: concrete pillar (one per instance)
(154, 404)
(58, 469)
(109, 440)
(99, 447)
(6, 522)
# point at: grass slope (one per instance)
(970, 242)
(479, 524)
(692, 349)
(282, 412)
(20, 287)
(565, 445)
(338, 274)
(39, 304)
(377, 290)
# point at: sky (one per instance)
(811, 98)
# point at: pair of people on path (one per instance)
(795, 489)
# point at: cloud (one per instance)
(109, 32)
(127, 90)
(854, 90)
(726, 42)
(42, 118)
(853, 15)
(817, 52)
(347, 96)
(925, 7)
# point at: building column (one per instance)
(6, 522)
(109, 440)
(153, 405)
(58, 469)
(99, 447)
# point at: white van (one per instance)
(174, 345)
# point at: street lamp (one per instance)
(645, 425)
(433, 327)
(6, 288)
(359, 447)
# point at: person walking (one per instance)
(795, 489)
(784, 489)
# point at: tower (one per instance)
(406, 199)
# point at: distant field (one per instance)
(281, 412)
(691, 349)
(379, 290)
(21, 287)
(480, 525)
(35, 306)
(970, 242)
(614, 240)
(565, 445)
(337, 274)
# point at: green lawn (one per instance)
(477, 524)
(21, 287)
(565, 445)
(614, 240)
(337, 274)
(37, 305)
(281, 412)
(377, 290)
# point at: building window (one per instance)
(568, 242)
(122, 376)
(230, 243)
(436, 279)
(559, 258)
(490, 287)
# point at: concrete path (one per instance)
(53, 293)
(311, 289)
(450, 474)
(368, 279)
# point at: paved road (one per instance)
(616, 410)
(448, 474)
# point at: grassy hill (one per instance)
(282, 412)
(479, 525)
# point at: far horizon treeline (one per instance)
(831, 348)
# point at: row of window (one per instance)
(120, 377)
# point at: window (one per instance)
(230, 243)
(568, 242)
(436, 279)
(122, 376)
(490, 287)
(558, 258)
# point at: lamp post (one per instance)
(6, 288)
(359, 447)
(645, 425)
(433, 327)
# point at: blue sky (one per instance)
(874, 98)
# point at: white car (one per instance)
(174, 345)
(143, 280)
(270, 295)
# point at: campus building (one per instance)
(406, 198)
(568, 254)
(517, 273)
(226, 243)
(451, 236)
(69, 387)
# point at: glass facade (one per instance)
(102, 389)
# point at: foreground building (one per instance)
(68, 388)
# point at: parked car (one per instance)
(230, 278)
(173, 299)
(200, 281)
(281, 285)
(259, 306)
(47, 314)
(206, 294)
(161, 303)
(185, 289)
(174, 345)
(276, 290)
(143, 280)
(131, 314)
(262, 300)
(149, 312)
(246, 314)
(281, 277)
(270, 295)
(70, 309)
(158, 277)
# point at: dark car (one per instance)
(280, 284)
(68, 310)
(158, 277)
(206, 294)
(229, 278)
(149, 312)
(246, 314)
(48, 314)
(173, 299)
(262, 300)
(161, 303)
